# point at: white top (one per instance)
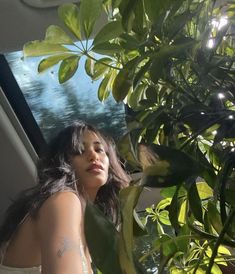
(14, 270)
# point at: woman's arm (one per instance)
(60, 228)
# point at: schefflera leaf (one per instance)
(69, 14)
(52, 60)
(103, 244)
(110, 31)
(56, 35)
(164, 166)
(90, 11)
(124, 80)
(67, 68)
(42, 48)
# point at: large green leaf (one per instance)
(101, 67)
(154, 8)
(104, 89)
(214, 216)
(135, 97)
(89, 67)
(122, 85)
(195, 202)
(110, 31)
(126, 8)
(167, 166)
(90, 11)
(103, 244)
(128, 199)
(67, 68)
(52, 60)
(107, 48)
(69, 14)
(123, 82)
(40, 48)
(57, 35)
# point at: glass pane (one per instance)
(55, 105)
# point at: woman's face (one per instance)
(92, 165)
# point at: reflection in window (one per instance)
(55, 105)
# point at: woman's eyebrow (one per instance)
(94, 143)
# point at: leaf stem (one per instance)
(98, 61)
(219, 240)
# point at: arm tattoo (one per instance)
(67, 244)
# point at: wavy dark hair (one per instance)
(55, 174)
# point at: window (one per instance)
(54, 105)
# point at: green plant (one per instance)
(172, 63)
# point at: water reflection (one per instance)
(55, 106)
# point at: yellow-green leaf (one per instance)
(204, 190)
(56, 35)
(90, 11)
(100, 67)
(52, 60)
(69, 14)
(103, 91)
(89, 67)
(128, 199)
(40, 48)
(67, 68)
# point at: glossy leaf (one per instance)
(126, 9)
(40, 48)
(104, 89)
(169, 166)
(214, 217)
(107, 48)
(128, 200)
(52, 60)
(57, 35)
(67, 68)
(110, 31)
(69, 14)
(135, 97)
(100, 67)
(174, 210)
(195, 202)
(103, 249)
(204, 191)
(155, 8)
(123, 82)
(89, 67)
(90, 11)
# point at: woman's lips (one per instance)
(95, 168)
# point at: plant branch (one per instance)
(98, 61)
(219, 241)
(201, 130)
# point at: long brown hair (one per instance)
(55, 174)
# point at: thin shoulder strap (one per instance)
(3, 248)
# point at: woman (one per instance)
(43, 231)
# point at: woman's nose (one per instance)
(92, 155)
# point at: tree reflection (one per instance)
(54, 106)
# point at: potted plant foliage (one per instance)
(172, 64)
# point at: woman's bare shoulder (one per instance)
(61, 205)
(62, 198)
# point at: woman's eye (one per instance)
(99, 149)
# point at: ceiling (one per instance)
(20, 23)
